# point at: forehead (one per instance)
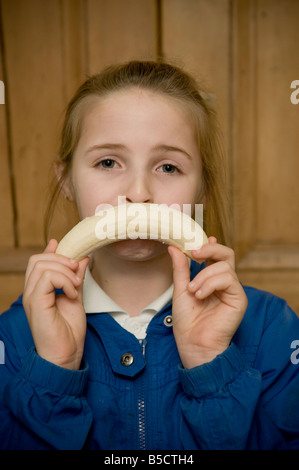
(138, 99)
(135, 107)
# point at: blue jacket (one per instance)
(246, 398)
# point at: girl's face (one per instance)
(138, 144)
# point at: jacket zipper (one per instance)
(141, 404)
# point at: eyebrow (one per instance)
(162, 147)
(171, 148)
(105, 146)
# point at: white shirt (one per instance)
(95, 300)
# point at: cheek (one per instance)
(190, 192)
(84, 197)
(196, 186)
(84, 190)
(88, 195)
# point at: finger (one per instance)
(83, 263)
(81, 273)
(181, 270)
(50, 281)
(43, 296)
(42, 266)
(214, 269)
(52, 246)
(225, 282)
(214, 252)
(50, 256)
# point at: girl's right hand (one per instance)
(57, 322)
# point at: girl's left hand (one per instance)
(207, 311)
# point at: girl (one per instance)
(137, 348)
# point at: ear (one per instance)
(64, 181)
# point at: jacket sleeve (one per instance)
(219, 403)
(228, 405)
(42, 406)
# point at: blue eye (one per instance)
(107, 164)
(169, 169)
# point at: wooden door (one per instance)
(246, 53)
(265, 142)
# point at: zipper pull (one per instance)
(142, 343)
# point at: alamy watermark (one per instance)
(295, 94)
(151, 221)
(295, 354)
(2, 353)
(2, 93)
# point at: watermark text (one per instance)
(151, 221)
(2, 353)
(295, 354)
(2, 93)
(295, 94)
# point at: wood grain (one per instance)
(245, 51)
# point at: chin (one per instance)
(137, 250)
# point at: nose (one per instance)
(138, 189)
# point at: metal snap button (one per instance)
(168, 320)
(127, 359)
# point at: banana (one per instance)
(132, 221)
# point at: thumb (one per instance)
(181, 270)
(52, 246)
(81, 273)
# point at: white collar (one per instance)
(95, 300)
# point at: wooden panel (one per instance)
(73, 63)
(283, 283)
(35, 71)
(196, 35)
(240, 57)
(278, 121)
(245, 52)
(15, 260)
(44, 67)
(13, 263)
(265, 142)
(273, 268)
(271, 257)
(117, 31)
(72, 46)
(11, 286)
(6, 204)
(243, 150)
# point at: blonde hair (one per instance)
(170, 80)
